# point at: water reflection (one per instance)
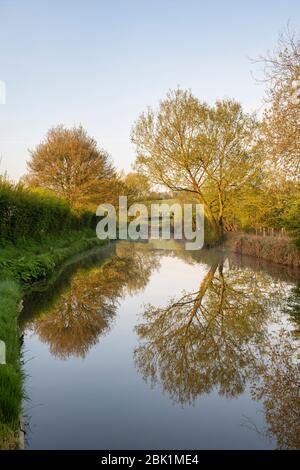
(292, 308)
(72, 321)
(237, 333)
(226, 336)
(278, 386)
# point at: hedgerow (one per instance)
(25, 213)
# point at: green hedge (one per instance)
(292, 223)
(25, 213)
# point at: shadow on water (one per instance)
(238, 331)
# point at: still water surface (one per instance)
(149, 346)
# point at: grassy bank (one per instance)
(10, 374)
(22, 264)
(277, 250)
(30, 260)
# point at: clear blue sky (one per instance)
(100, 63)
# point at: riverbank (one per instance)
(274, 249)
(21, 265)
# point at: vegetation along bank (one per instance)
(37, 233)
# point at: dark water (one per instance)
(143, 346)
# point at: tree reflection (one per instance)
(206, 339)
(224, 336)
(86, 309)
(219, 337)
(293, 308)
(278, 386)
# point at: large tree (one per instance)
(281, 132)
(70, 163)
(189, 146)
(281, 122)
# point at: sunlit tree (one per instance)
(70, 163)
(281, 124)
(207, 151)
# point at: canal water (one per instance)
(148, 346)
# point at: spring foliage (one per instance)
(33, 214)
(69, 162)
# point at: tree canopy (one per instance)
(70, 163)
(189, 146)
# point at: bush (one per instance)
(25, 213)
(292, 223)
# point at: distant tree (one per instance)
(192, 147)
(136, 186)
(70, 163)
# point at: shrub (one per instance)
(25, 213)
(293, 223)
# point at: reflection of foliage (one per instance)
(206, 339)
(279, 389)
(81, 315)
(85, 310)
(44, 296)
(215, 338)
(218, 337)
(293, 308)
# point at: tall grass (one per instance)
(277, 250)
(30, 260)
(10, 374)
